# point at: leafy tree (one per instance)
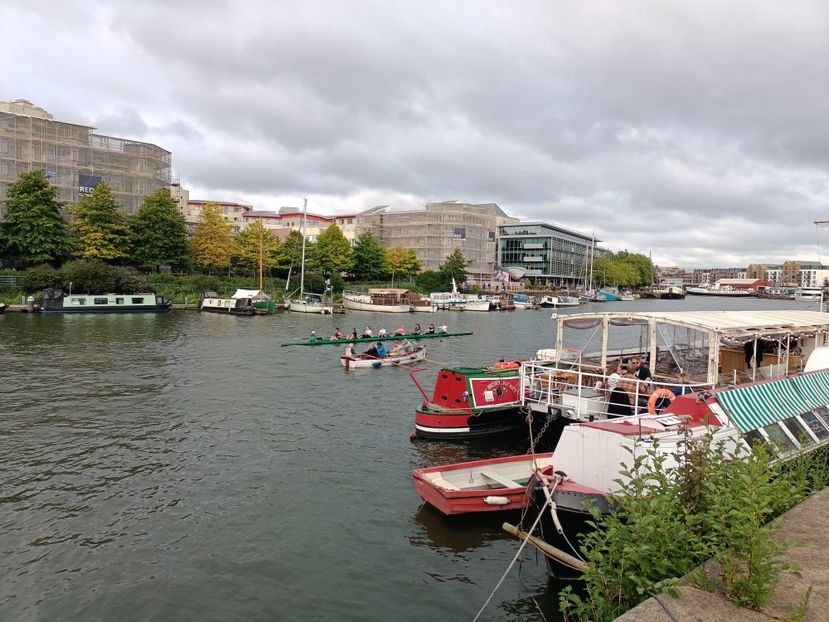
(454, 267)
(642, 265)
(35, 230)
(332, 251)
(396, 260)
(369, 257)
(413, 263)
(289, 254)
(99, 228)
(248, 244)
(212, 245)
(93, 276)
(431, 281)
(159, 232)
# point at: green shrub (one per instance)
(39, 278)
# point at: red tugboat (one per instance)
(469, 402)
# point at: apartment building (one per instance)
(76, 159)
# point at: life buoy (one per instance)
(506, 365)
(658, 395)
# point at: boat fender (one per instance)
(496, 500)
(657, 395)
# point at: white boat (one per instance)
(307, 302)
(454, 301)
(559, 301)
(809, 293)
(719, 291)
(523, 301)
(777, 402)
(237, 305)
(379, 300)
(358, 361)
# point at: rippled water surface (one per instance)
(186, 466)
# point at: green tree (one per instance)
(333, 252)
(396, 260)
(248, 244)
(212, 245)
(34, 230)
(454, 267)
(369, 257)
(159, 232)
(289, 255)
(430, 281)
(413, 263)
(99, 229)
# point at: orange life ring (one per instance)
(658, 395)
(506, 365)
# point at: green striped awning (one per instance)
(814, 387)
(762, 404)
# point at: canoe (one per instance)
(362, 361)
(490, 485)
(334, 342)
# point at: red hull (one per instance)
(473, 500)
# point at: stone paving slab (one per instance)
(807, 523)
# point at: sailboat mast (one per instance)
(302, 269)
(261, 256)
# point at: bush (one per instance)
(707, 501)
(92, 276)
(39, 278)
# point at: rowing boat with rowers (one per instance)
(334, 342)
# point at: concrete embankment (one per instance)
(805, 523)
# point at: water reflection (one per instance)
(458, 534)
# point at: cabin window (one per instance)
(822, 413)
(119, 301)
(137, 300)
(798, 430)
(755, 439)
(77, 301)
(779, 439)
(100, 301)
(815, 425)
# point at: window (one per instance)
(119, 301)
(100, 301)
(137, 300)
(459, 233)
(779, 439)
(77, 301)
(814, 424)
(799, 432)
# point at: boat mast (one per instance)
(302, 268)
(261, 256)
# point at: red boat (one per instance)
(471, 402)
(491, 485)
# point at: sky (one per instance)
(693, 131)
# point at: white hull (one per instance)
(424, 309)
(350, 362)
(353, 303)
(731, 293)
(301, 306)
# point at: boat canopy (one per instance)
(759, 405)
(253, 294)
(721, 322)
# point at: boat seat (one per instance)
(497, 477)
(440, 481)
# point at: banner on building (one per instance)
(87, 183)
(500, 275)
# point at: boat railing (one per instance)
(584, 392)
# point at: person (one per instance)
(431, 329)
(407, 345)
(371, 352)
(417, 330)
(397, 350)
(349, 350)
(754, 350)
(682, 387)
(443, 328)
(354, 333)
(313, 336)
(381, 332)
(640, 370)
(618, 402)
(367, 332)
(400, 331)
(381, 350)
(337, 334)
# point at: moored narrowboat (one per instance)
(54, 301)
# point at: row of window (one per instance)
(795, 433)
(136, 300)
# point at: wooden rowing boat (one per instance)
(365, 361)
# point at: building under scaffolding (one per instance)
(75, 158)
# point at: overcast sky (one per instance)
(697, 130)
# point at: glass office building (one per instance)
(550, 255)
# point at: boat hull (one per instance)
(465, 488)
(465, 424)
(357, 362)
(300, 306)
(356, 305)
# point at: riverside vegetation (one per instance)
(669, 520)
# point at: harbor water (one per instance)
(185, 466)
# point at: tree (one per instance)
(369, 257)
(454, 267)
(99, 229)
(159, 232)
(212, 245)
(289, 254)
(413, 263)
(333, 252)
(396, 260)
(248, 244)
(35, 230)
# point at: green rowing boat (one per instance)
(335, 342)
